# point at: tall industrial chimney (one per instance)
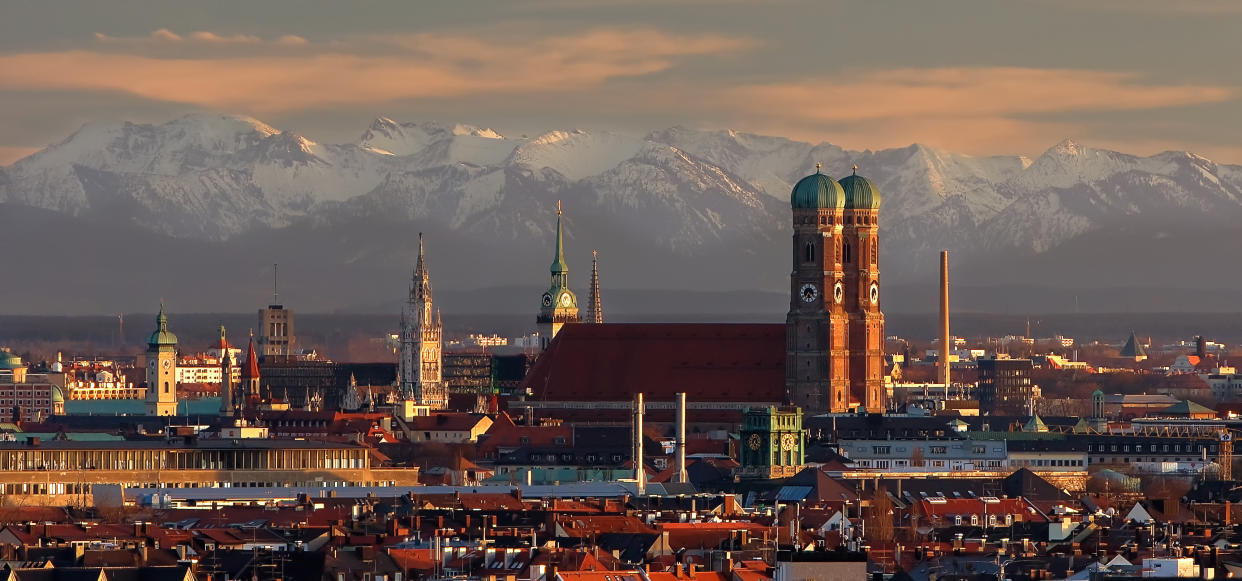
(681, 439)
(945, 345)
(640, 475)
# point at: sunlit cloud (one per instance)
(985, 109)
(10, 154)
(347, 73)
(166, 36)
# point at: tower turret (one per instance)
(161, 369)
(226, 375)
(816, 349)
(421, 379)
(559, 305)
(595, 310)
(250, 374)
(862, 292)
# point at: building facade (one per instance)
(59, 473)
(29, 396)
(559, 305)
(276, 338)
(1005, 386)
(422, 343)
(834, 328)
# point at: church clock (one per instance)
(809, 292)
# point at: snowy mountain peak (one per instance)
(1067, 148)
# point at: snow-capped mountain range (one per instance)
(673, 208)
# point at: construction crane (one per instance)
(1224, 458)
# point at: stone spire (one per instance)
(226, 376)
(595, 310)
(420, 284)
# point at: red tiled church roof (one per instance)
(251, 370)
(711, 362)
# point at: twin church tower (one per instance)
(834, 342)
(834, 337)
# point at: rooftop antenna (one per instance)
(275, 295)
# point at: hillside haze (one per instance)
(196, 210)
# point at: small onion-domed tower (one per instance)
(862, 291)
(162, 369)
(816, 348)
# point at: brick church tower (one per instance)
(816, 356)
(862, 290)
(834, 341)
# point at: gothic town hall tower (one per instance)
(834, 340)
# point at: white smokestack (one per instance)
(945, 343)
(640, 475)
(681, 439)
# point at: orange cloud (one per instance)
(985, 109)
(428, 65)
(10, 154)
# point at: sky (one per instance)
(977, 77)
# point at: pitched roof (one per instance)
(1187, 407)
(710, 362)
(1133, 348)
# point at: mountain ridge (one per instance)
(676, 208)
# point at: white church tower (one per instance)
(421, 343)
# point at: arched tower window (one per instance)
(810, 252)
(165, 387)
(847, 253)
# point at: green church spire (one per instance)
(560, 270)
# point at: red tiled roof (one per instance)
(711, 362)
(949, 507)
(251, 370)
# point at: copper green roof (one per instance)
(817, 192)
(1036, 424)
(860, 193)
(558, 261)
(1185, 408)
(161, 336)
(1133, 348)
(9, 360)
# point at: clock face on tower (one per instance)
(808, 292)
(838, 292)
(875, 294)
(167, 363)
(755, 442)
(547, 300)
(788, 441)
(566, 300)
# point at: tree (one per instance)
(916, 457)
(880, 520)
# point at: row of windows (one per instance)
(1046, 462)
(934, 449)
(1126, 460)
(1150, 448)
(974, 520)
(827, 220)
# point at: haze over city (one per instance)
(620, 290)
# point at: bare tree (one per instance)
(916, 457)
(880, 520)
